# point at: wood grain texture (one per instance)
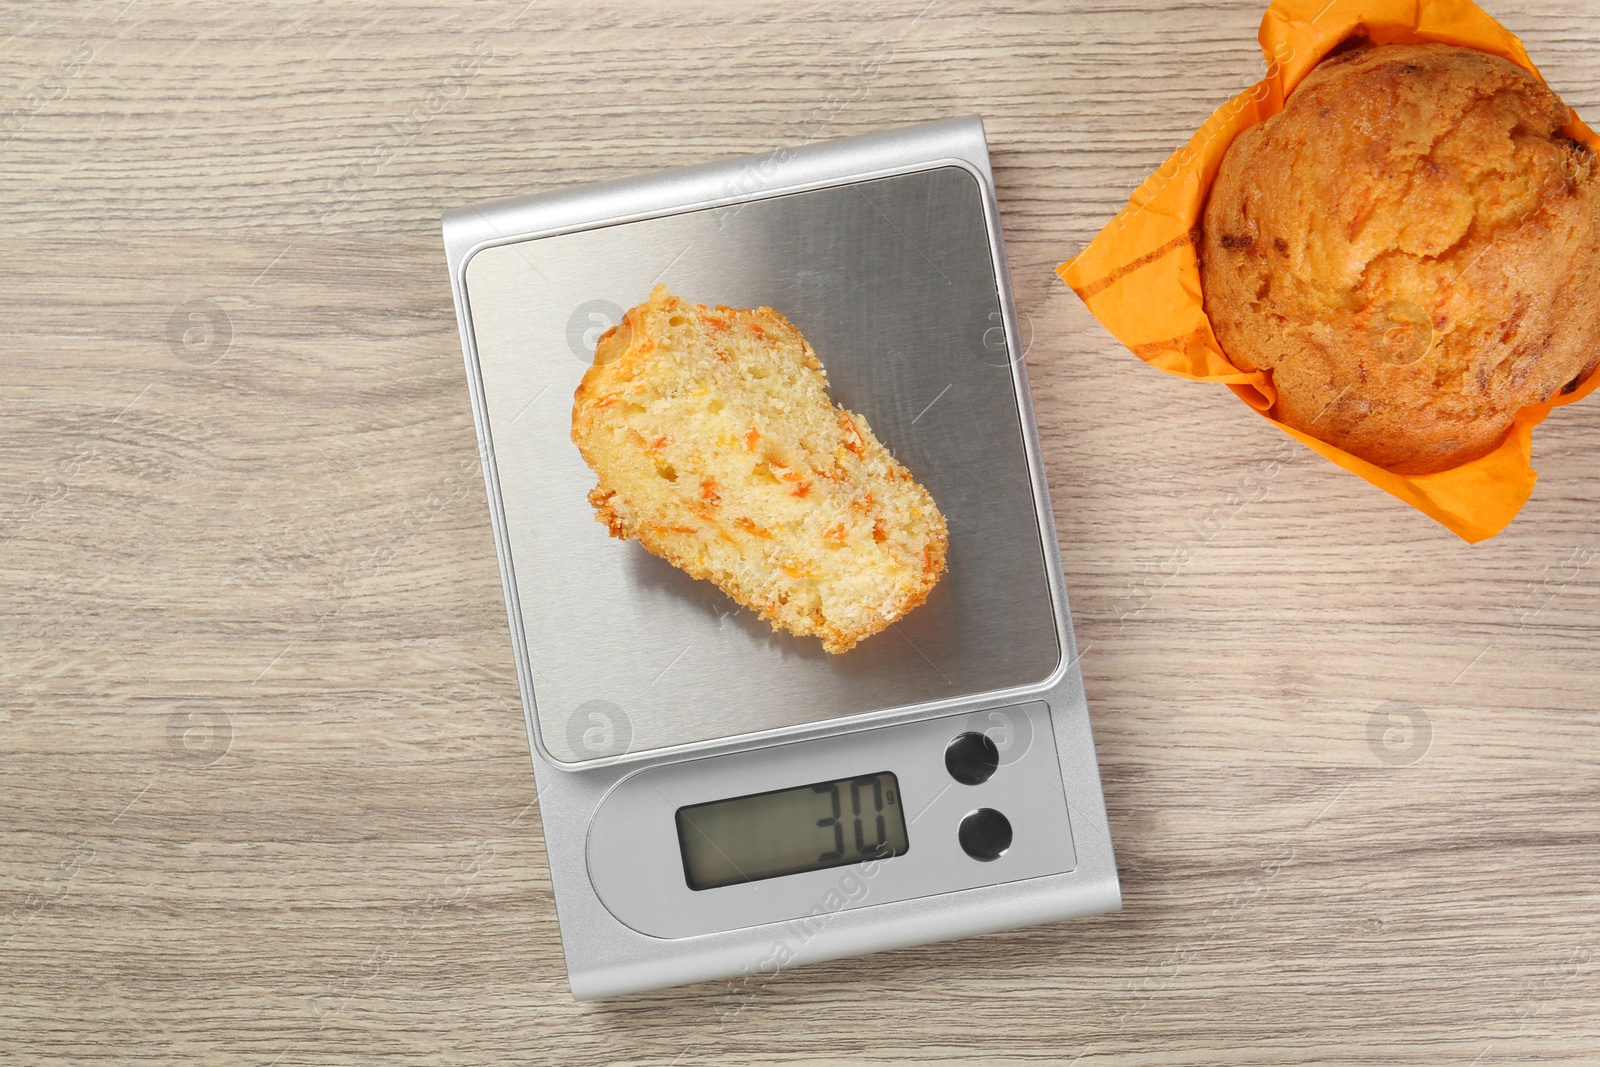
(266, 790)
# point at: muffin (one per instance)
(1412, 249)
(717, 446)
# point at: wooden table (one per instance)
(266, 796)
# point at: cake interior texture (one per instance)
(717, 446)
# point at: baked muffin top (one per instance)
(1412, 249)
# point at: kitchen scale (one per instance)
(719, 799)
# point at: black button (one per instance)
(971, 758)
(985, 834)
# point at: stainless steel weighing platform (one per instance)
(650, 696)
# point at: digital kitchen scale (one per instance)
(719, 799)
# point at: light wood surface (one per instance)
(265, 793)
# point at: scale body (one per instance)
(649, 695)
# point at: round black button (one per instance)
(971, 758)
(985, 834)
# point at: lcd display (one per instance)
(787, 831)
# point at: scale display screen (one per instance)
(787, 831)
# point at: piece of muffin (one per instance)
(1412, 248)
(717, 446)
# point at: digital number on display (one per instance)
(788, 831)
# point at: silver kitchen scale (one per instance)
(719, 799)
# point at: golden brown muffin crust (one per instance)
(1412, 248)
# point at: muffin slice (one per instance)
(717, 446)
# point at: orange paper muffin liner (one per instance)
(1141, 276)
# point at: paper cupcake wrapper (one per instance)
(1141, 277)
